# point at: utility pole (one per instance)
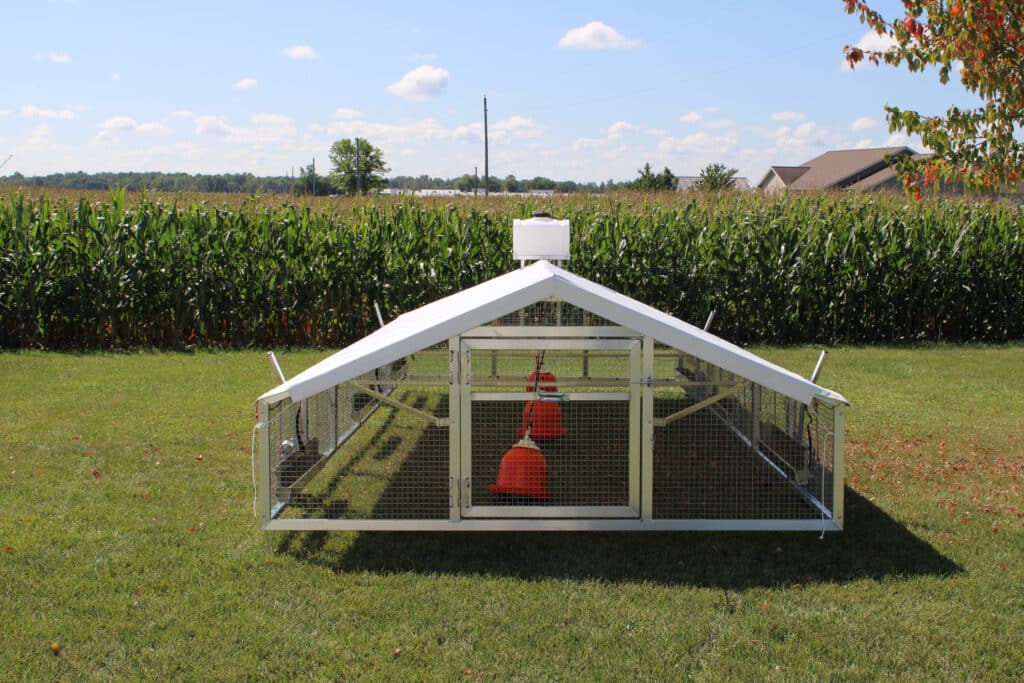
(487, 181)
(476, 181)
(359, 185)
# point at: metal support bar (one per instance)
(277, 366)
(818, 366)
(433, 419)
(689, 410)
(711, 319)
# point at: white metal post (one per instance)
(647, 429)
(838, 463)
(454, 431)
(262, 457)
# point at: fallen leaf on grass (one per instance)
(55, 648)
(96, 473)
(397, 651)
(89, 453)
(468, 672)
(8, 548)
(199, 458)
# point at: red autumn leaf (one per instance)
(8, 548)
(96, 473)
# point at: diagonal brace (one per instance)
(689, 410)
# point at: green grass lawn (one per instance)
(129, 543)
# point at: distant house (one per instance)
(685, 183)
(845, 169)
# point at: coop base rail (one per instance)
(816, 525)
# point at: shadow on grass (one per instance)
(875, 546)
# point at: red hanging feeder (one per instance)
(523, 470)
(546, 414)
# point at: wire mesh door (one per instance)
(550, 428)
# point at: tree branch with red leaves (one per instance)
(983, 42)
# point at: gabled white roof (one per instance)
(479, 305)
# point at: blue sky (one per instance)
(576, 90)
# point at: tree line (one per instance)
(356, 167)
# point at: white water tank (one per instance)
(540, 237)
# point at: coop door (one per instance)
(550, 428)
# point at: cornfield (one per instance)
(171, 272)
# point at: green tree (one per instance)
(649, 180)
(981, 147)
(716, 177)
(467, 183)
(309, 183)
(348, 177)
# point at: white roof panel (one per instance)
(479, 305)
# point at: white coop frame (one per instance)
(659, 424)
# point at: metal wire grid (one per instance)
(583, 455)
(552, 313)
(389, 462)
(718, 463)
(573, 370)
(583, 444)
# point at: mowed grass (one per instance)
(129, 543)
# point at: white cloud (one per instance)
(344, 113)
(699, 142)
(787, 116)
(300, 52)
(692, 117)
(115, 76)
(870, 42)
(583, 144)
(501, 132)
(422, 83)
(4, 112)
(388, 135)
(119, 123)
(616, 130)
(519, 126)
(656, 131)
(863, 123)
(719, 123)
(182, 114)
(897, 140)
(245, 84)
(213, 125)
(32, 112)
(52, 57)
(866, 143)
(269, 127)
(596, 35)
(126, 124)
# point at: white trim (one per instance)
(556, 397)
(532, 512)
(815, 525)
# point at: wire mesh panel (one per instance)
(552, 313)
(552, 428)
(372, 448)
(728, 448)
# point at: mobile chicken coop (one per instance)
(540, 400)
